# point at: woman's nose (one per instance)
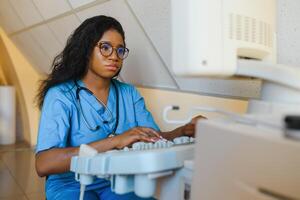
(114, 55)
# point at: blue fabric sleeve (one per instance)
(143, 116)
(54, 122)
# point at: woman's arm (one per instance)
(144, 118)
(58, 160)
(170, 135)
(185, 130)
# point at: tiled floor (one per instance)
(18, 179)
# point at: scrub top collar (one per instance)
(96, 105)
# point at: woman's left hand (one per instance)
(189, 128)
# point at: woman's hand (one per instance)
(189, 128)
(186, 130)
(136, 134)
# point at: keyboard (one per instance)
(163, 143)
(136, 168)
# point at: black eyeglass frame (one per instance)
(99, 44)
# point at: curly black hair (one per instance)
(72, 62)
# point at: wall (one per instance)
(18, 72)
(2, 77)
(156, 100)
(288, 31)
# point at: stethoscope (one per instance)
(78, 104)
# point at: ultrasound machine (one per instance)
(251, 156)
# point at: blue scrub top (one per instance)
(62, 124)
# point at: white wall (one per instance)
(288, 18)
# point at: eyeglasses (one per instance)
(107, 49)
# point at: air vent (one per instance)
(248, 29)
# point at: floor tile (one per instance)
(21, 165)
(37, 196)
(8, 186)
(15, 198)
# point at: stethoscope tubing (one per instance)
(79, 107)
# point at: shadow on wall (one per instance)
(16, 71)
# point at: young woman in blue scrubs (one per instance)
(82, 103)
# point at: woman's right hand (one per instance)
(135, 135)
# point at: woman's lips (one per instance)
(112, 67)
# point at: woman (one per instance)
(82, 104)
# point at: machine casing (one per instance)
(209, 36)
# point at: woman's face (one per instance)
(102, 64)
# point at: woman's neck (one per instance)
(95, 83)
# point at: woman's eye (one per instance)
(105, 47)
(121, 51)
